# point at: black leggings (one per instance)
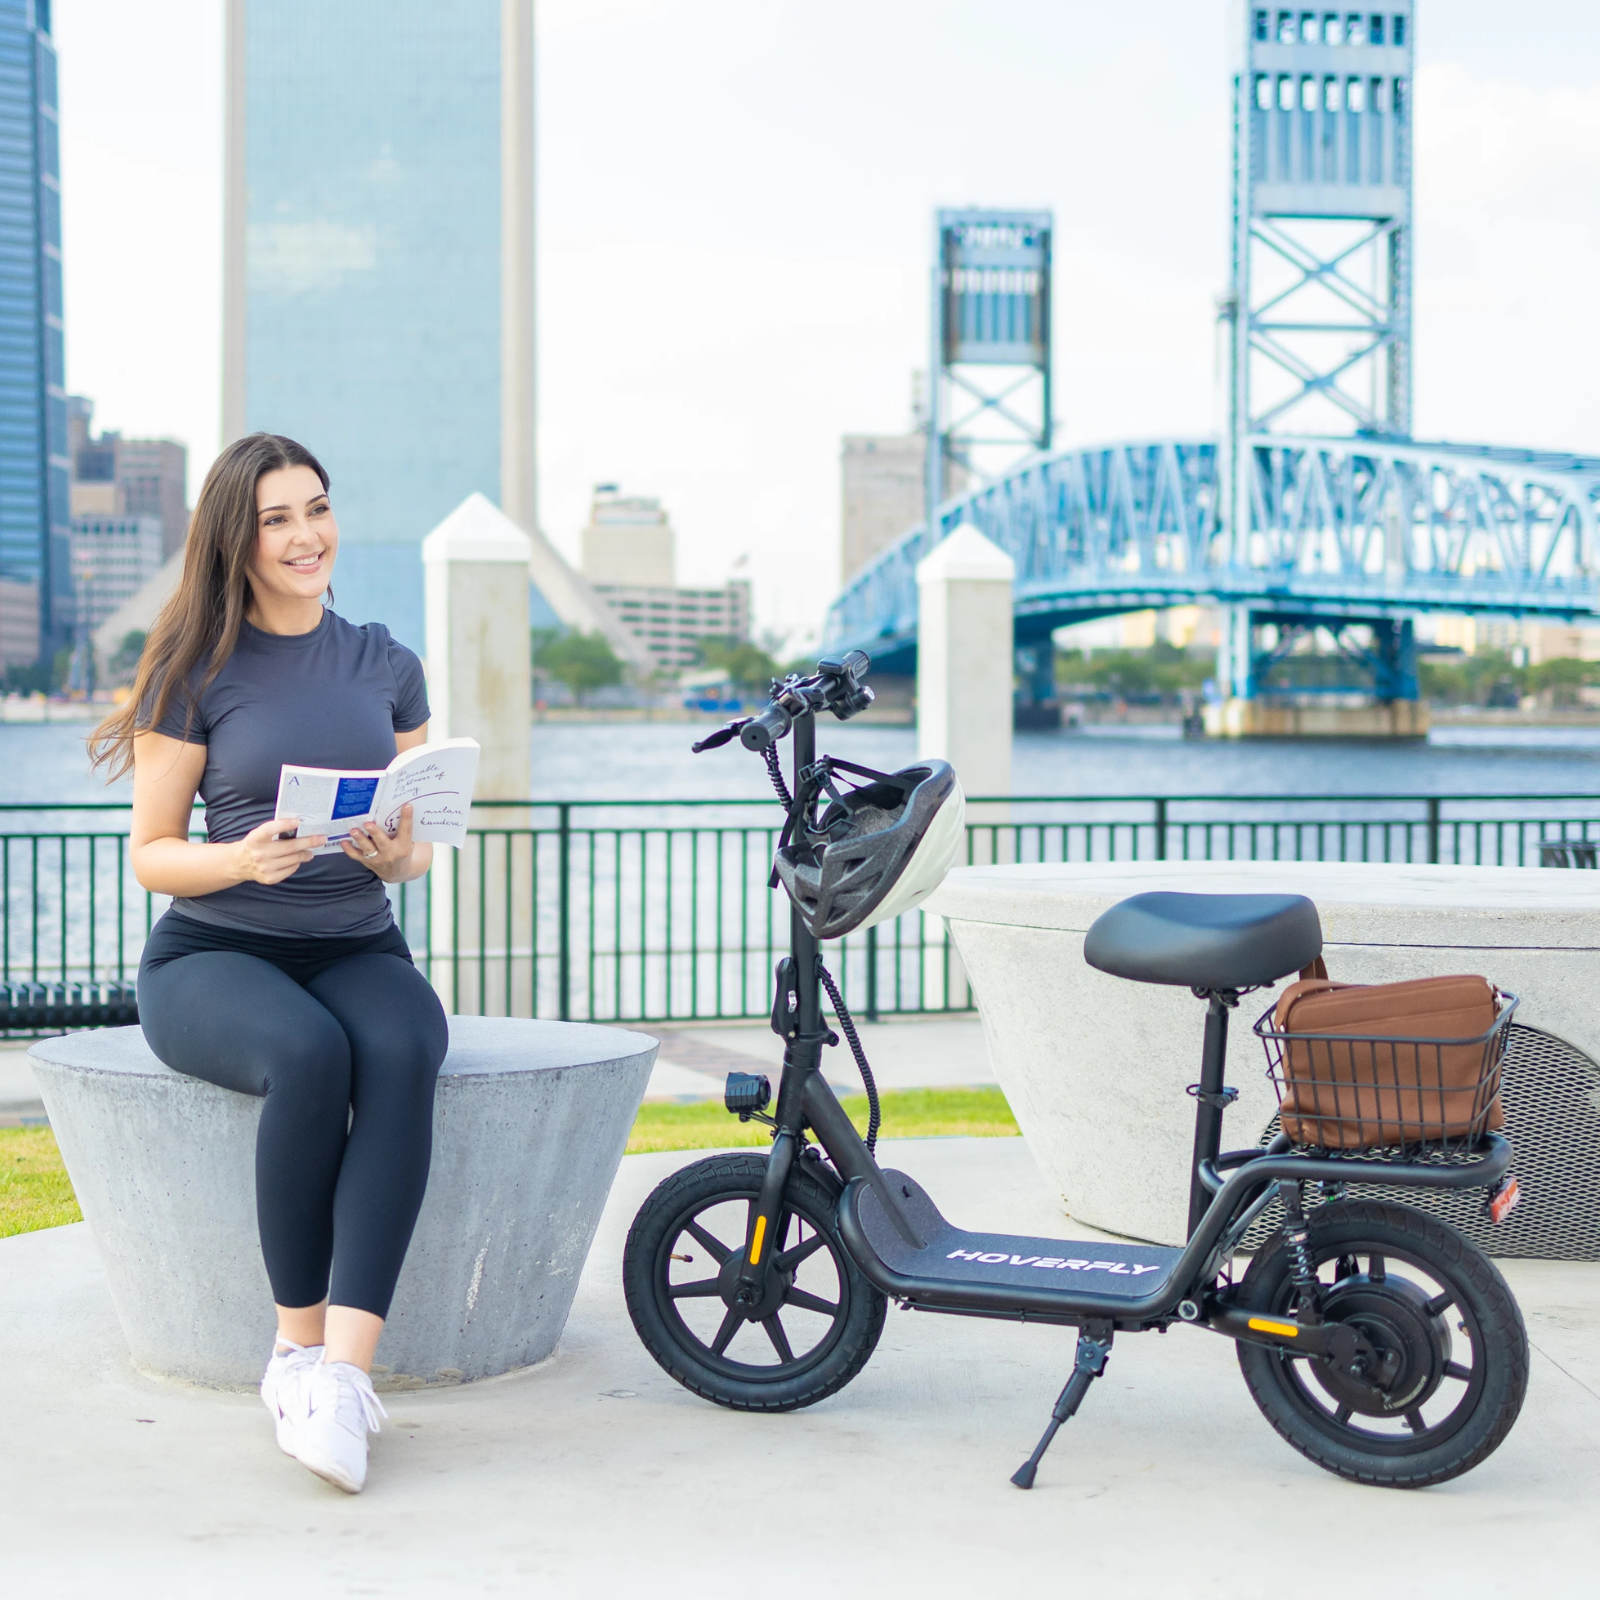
(344, 1039)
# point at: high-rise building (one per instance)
(378, 265)
(628, 558)
(884, 493)
(113, 557)
(34, 500)
(628, 540)
(117, 477)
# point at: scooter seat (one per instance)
(1205, 941)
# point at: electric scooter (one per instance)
(1378, 1341)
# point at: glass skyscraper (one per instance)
(35, 536)
(379, 279)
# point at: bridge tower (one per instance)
(1319, 312)
(989, 395)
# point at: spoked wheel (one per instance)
(812, 1332)
(1449, 1363)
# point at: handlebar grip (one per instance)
(766, 729)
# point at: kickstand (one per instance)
(1093, 1350)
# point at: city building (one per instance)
(378, 266)
(35, 541)
(117, 477)
(628, 557)
(112, 559)
(672, 623)
(628, 540)
(19, 623)
(883, 493)
(1527, 640)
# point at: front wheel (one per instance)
(1451, 1350)
(812, 1332)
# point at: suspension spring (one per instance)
(1297, 1239)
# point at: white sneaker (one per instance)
(289, 1365)
(337, 1409)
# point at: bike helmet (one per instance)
(877, 851)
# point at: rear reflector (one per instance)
(1502, 1199)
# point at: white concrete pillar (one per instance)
(479, 669)
(964, 660)
(475, 566)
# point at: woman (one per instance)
(276, 973)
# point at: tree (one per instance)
(1162, 669)
(125, 662)
(748, 666)
(582, 661)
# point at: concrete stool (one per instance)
(1095, 1067)
(530, 1122)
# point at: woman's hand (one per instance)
(263, 857)
(395, 860)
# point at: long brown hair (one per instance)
(200, 623)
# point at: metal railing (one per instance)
(648, 910)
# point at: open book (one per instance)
(435, 780)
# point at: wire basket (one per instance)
(1342, 1091)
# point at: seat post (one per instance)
(1211, 1097)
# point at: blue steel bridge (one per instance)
(1317, 509)
(1339, 530)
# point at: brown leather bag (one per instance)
(1379, 1089)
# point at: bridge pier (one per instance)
(1250, 704)
(1036, 704)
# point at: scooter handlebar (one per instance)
(765, 729)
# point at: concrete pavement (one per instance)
(596, 1475)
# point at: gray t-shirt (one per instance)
(334, 697)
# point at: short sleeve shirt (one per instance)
(334, 697)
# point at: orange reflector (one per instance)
(1285, 1330)
(755, 1243)
(1504, 1200)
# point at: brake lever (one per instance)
(723, 735)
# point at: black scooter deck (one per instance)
(1007, 1261)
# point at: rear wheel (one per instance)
(1450, 1349)
(812, 1332)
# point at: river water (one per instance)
(670, 912)
(44, 763)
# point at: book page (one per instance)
(327, 801)
(436, 781)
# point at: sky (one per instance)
(735, 209)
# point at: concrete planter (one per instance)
(530, 1122)
(1095, 1067)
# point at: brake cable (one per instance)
(848, 1028)
(775, 772)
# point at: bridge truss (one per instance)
(1348, 530)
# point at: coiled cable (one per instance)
(848, 1028)
(775, 771)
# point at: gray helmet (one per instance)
(877, 851)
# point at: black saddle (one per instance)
(1205, 941)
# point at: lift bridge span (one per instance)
(1316, 509)
(1340, 530)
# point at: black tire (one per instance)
(1430, 1300)
(701, 1338)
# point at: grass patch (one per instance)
(35, 1191)
(907, 1114)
